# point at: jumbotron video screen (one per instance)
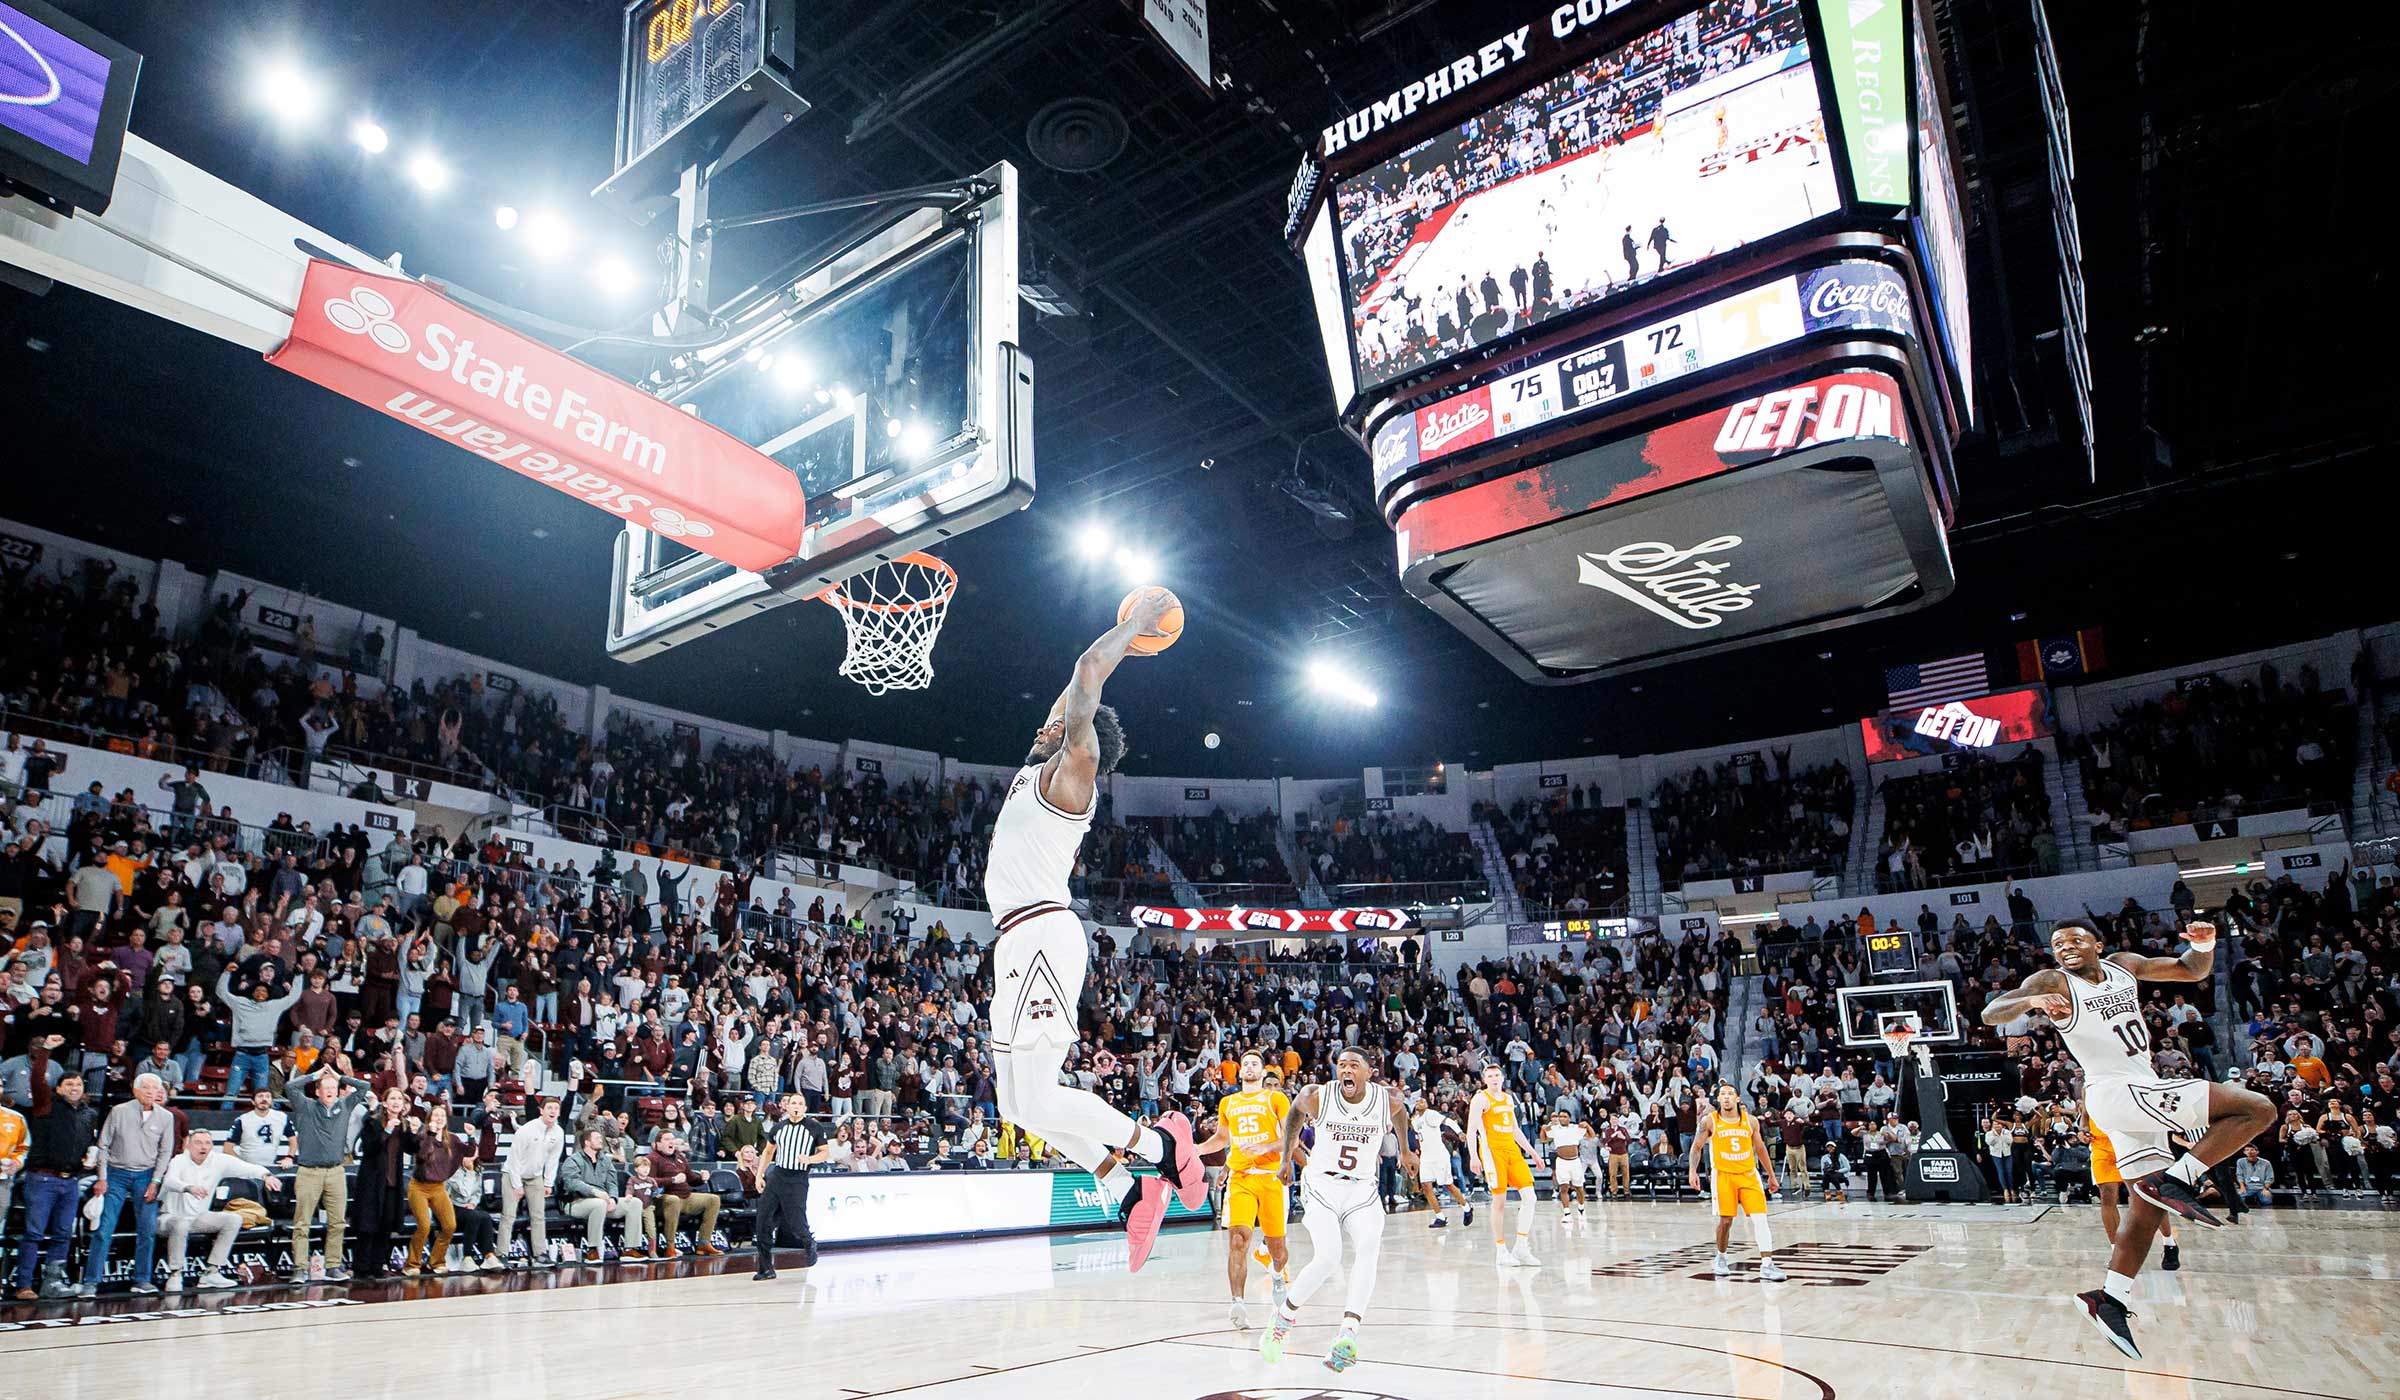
(1701, 136)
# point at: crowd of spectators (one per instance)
(1974, 818)
(1219, 848)
(1601, 103)
(1383, 849)
(2219, 746)
(1567, 854)
(1738, 819)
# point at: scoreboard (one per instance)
(1891, 954)
(695, 74)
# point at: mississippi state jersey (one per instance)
(1349, 1146)
(2104, 1030)
(1033, 847)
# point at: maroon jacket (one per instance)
(673, 1173)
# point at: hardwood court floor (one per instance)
(1887, 1303)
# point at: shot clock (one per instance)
(696, 75)
(1891, 953)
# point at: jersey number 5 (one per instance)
(1349, 1158)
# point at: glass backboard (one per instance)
(887, 377)
(1934, 1003)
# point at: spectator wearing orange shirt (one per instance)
(2311, 1071)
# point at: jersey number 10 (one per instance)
(2135, 1035)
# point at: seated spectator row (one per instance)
(2220, 745)
(1976, 818)
(1566, 855)
(1741, 818)
(1379, 848)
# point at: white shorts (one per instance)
(1335, 1198)
(1567, 1171)
(2137, 1115)
(1433, 1168)
(1037, 979)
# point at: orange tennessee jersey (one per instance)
(1499, 1123)
(1253, 1118)
(1734, 1144)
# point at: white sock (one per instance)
(1117, 1183)
(2119, 1286)
(1764, 1235)
(1147, 1144)
(2188, 1170)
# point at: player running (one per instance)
(1499, 1152)
(1250, 1133)
(1040, 958)
(1434, 1131)
(1351, 1116)
(2095, 1001)
(1731, 1134)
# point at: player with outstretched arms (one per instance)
(2094, 998)
(1566, 1138)
(1351, 1115)
(1040, 957)
(1250, 1134)
(1499, 1152)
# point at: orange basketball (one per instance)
(1169, 627)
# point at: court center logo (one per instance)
(1299, 1393)
(369, 313)
(1679, 585)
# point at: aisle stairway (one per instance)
(1302, 874)
(1866, 839)
(2076, 854)
(1507, 905)
(1641, 861)
(1741, 1007)
(2372, 812)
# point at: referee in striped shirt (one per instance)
(791, 1150)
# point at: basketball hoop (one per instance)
(893, 612)
(1899, 1032)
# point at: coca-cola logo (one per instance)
(1838, 296)
(1682, 586)
(1391, 445)
(1442, 426)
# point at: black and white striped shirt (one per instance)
(793, 1142)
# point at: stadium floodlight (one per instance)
(289, 92)
(505, 216)
(1328, 679)
(1136, 566)
(426, 170)
(915, 438)
(791, 372)
(1210, 740)
(615, 276)
(370, 136)
(1092, 541)
(547, 235)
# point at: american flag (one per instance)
(1933, 682)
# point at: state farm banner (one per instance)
(403, 348)
(1297, 921)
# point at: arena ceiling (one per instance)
(2237, 323)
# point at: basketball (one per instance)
(1169, 627)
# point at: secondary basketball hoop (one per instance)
(893, 612)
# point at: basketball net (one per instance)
(1902, 1038)
(893, 612)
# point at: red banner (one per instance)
(1240, 920)
(403, 348)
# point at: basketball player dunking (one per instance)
(1732, 1134)
(1039, 961)
(1250, 1133)
(1352, 1114)
(2094, 999)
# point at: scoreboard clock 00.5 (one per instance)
(1890, 954)
(695, 74)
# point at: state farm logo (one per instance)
(1836, 296)
(1468, 420)
(675, 524)
(369, 313)
(1678, 585)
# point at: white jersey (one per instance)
(1034, 846)
(2104, 1030)
(1566, 1139)
(1348, 1150)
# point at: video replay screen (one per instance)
(1700, 136)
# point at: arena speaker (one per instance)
(1606, 441)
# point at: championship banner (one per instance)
(1240, 920)
(402, 348)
